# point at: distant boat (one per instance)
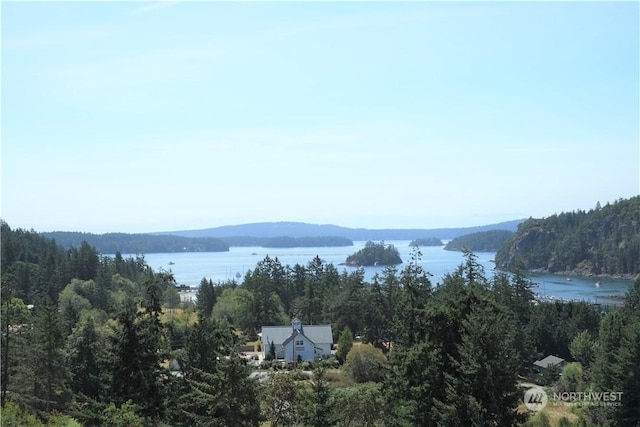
(597, 284)
(171, 263)
(568, 279)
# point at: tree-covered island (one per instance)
(375, 254)
(426, 241)
(483, 241)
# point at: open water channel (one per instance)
(190, 268)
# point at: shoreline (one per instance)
(573, 273)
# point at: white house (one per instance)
(297, 342)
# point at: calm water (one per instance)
(190, 268)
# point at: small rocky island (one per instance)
(374, 254)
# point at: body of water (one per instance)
(190, 268)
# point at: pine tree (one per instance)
(136, 352)
(50, 373)
(205, 297)
(345, 342)
(82, 349)
(216, 389)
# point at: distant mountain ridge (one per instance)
(301, 229)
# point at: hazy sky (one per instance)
(139, 117)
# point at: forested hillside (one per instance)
(87, 340)
(483, 241)
(300, 229)
(604, 240)
(110, 243)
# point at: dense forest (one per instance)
(375, 254)
(110, 243)
(604, 240)
(87, 340)
(426, 241)
(484, 241)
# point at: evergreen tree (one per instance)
(345, 342)
(50, 373)
(82, 350)
(205, 297)
(136, 352)
(454, 362)
(216, 389)
(317, 409)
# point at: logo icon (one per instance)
(535, 399)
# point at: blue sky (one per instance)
(139, 117)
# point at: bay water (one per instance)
(190, 267)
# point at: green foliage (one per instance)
(82, 353)
(455, 360)
(540, 419)
(46, 369)
(554, 325)
(57, 420)
(315, 409)
(72, 306)
(550, 375)
(358, 406)
(205, 297)
(600, 241)
(375, 254)
(345, 342)
(279, 401)
(583, 348)
(93, 346)
(135, 355)
(12, 415)
(483, 241)
(234, 306)
(271, 355)
(616, 366)
(571, 379)
(366, 363)
(110, 243)
(124, 415)
(348, 307)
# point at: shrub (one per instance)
(366, 363)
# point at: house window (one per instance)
(299, 343)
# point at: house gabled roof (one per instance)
(549, 361)
(318, 334)
(292, 336)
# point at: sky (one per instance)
(158, 116)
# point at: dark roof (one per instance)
(549, 361)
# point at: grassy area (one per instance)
(552, 413)
(168, 314)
